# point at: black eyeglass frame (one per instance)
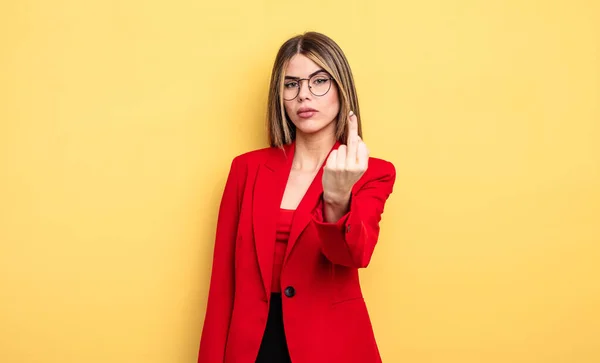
(299, 80)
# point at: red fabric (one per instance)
(284, 225)
(326, 319)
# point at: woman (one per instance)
(296, 222)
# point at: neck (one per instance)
(312, 150)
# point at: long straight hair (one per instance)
(328, 55)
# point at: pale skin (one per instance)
(315, 136)
(344, 167)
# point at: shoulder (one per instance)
(256, 156)
(380, 175)
(378, 180)
(381, 165)
(380, 168)
(248, 162)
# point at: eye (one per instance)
(321, 80)
(292, 84)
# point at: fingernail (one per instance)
(351, 113)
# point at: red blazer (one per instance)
(326, 319)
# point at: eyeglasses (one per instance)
(318, 84)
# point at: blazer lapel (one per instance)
(268, 191)
(304, 210)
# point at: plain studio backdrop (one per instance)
(118, 121)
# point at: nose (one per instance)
(304, 92)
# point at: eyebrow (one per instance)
(310, 75)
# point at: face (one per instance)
(310, 113)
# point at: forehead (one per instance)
(301, 66)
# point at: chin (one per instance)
(309, 129)
(310, 126)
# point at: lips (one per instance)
(305, 112)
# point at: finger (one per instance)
(331, 160)
(352, 126)
(363, 155)
(341, 157)
(353, 138)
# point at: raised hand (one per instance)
(345, 166)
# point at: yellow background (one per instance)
(118, 121)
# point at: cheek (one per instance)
(333, 103)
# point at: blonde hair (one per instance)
(328, 55)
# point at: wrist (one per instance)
(336, 199)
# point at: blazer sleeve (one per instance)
(351, 240)
(222, 285)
